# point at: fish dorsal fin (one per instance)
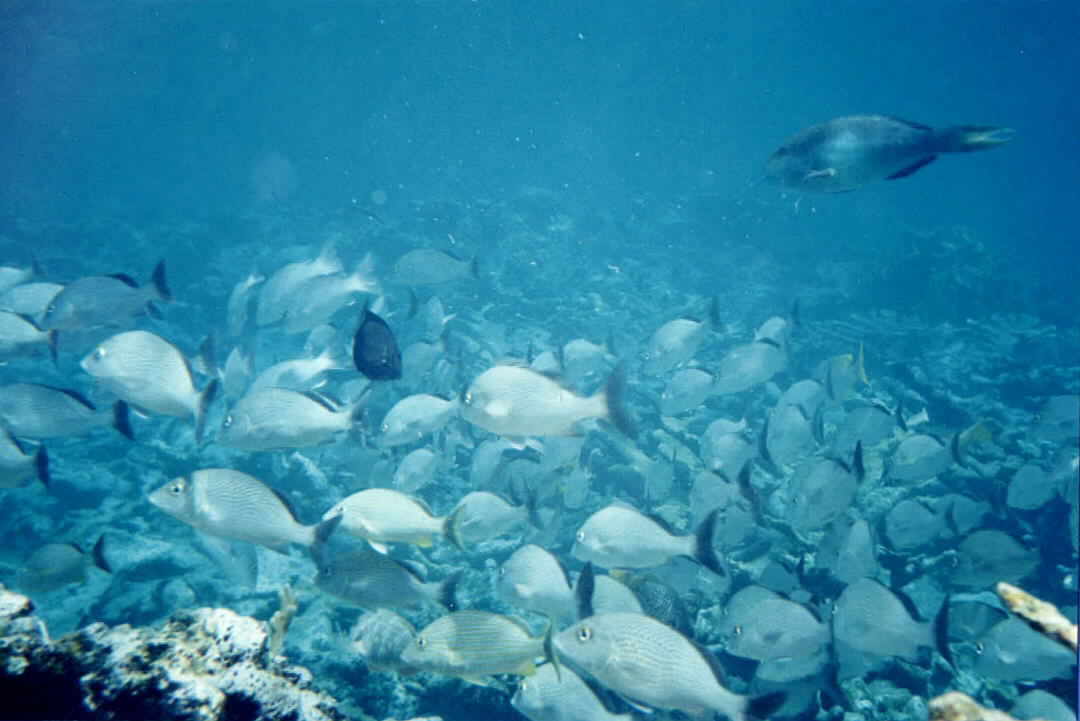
(662, 522)
(125, 279)
(321, 400)
(284, 501)
(769, 341)
(583, 591)
(74, 395)
(910, 123)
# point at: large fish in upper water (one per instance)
(846, 153)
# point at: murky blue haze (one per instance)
(604, 163)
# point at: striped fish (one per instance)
(383, 515)
(474, 644)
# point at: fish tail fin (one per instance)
(41, 466)
(204, 357)
(452, 528)
(614, 396)
(532, 505)
(205, 399)
(364, 278)
(52, 340)
(583, 591)
(474, 267)
(122, 420)
(860, 366)
(858, 467)
(447, 594)
(762, 707)
(704, 551)
(160, 284)
(321, 534)
(714, 315)
(976, 433)
(97, 555)
(941, 630)
(969, 138)
(549, 649)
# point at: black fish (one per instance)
(375, 351)
(847, 153)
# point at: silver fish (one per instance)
(316, 300)
(519, 402)
(30, 410)
(416, 470)
(649, 663)
(20, 337)
(301, 374)
(560, 695)
(11, 276)
(380, 637)
(365, 578)
(677, 341)
(685, 391)
(620, 537)
(19, 465)
(236, 310)
(532, 579)
(427, 266)
(749, 365)
(150, 373)
(475, 644)
(280, 289)
(383, 515)
(870, 618)
(847, 153)
(482, 515)
(1059, 419)
(231, 504)
(30, 299)
(56, 565)
(274, 418)
(776, 629)
(988, 556)
(415, 416)
(98, 300)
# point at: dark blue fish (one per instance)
(375, 351)
(846, 153)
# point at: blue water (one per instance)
(232, 136)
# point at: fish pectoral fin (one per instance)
(378, 547)
(528, 668)
(823, 173)
(424, 541)
(487, 682)
(920, 163)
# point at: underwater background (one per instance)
(603, 163)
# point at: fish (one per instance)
(1058, 419)
(316, 300)
(383, 515)
(18, 465)
(414, 417)
(560, 695)
(300, 374)
(22, 337)
(1013, 651)
(99, 300)
(380, 637)
(12, 276)
(649, 663)
(237, 309)
(278, 292)
(841, 374)
(532, 579)
(581, 359)
(910, 524)
(275, 418)
(920, 456)
(676, 341)
(518, 402)
(724, 447)
(365, 578)
(236, 374)
(657, 599)
(748, 365)
(621, 537)
(30, 299)
(872, 619)
(685, 391)
(475, 644)
(775, 629)
(375, 350)
(226, 503)
(857, 557)
(150, 373)
(595, 594)
(416, 470)
(822, 490)
(846, 153)
(30, 410)
(482, 515)
(56, 565)
(989, 556)
(428, 266)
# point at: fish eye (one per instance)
(524, 685)
(421, 641)
(584, 634)
(980, 648)
(99, 352)
(385, 427)
(468, 399)
(227, 422)
(738, 630)
(580, 536)
(177, 488)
